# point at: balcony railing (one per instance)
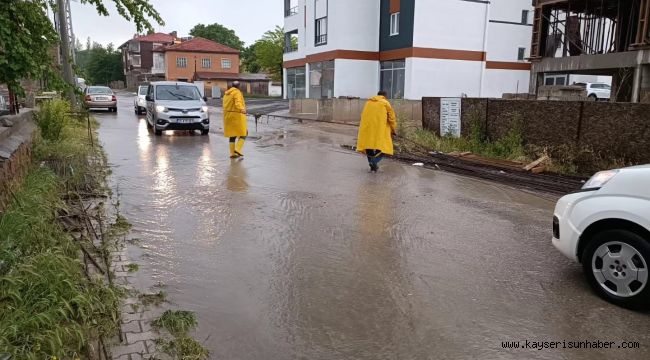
(291, 12)
(290, 49)
(321, 39)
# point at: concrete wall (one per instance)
(349, 110)
(436, 77)
(613, 131)
(434, 21)
(358, 78)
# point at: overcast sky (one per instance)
(249, 18)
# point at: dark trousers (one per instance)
(374, 156)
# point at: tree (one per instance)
(100, 65)
(218, 33)
(249, 59)
(269, 50)
(28, 39)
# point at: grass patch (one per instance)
(184, 348)
(177, 322)
(153, 299)
(131, 268)
(48, 307)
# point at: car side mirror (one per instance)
(148, 98)
(205, 98)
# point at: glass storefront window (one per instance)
(296, 83)
(392, 78)
(321, 80)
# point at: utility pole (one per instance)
(63, 11)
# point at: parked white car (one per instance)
(140, 101)
(606, 227)
(599, 91)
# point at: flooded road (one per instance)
(297, 252)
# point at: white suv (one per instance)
(598, 91)
(175, 105)
(606, 227)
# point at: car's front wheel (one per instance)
(616, 265)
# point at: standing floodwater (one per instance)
(297, 252)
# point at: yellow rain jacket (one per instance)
(377, 123)
(234, 121)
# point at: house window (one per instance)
(392, 75)
(135, 60)
(394, 24)
(181, 62)
(226, 64)
(524, 17)
(134, 46)
(296, 80)
(321, 31)
(206, 63)
(321, 80)
(521, 54)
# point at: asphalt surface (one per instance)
(298, 252)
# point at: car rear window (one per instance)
(177, 92)
(100, 91)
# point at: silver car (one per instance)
(100, 97)
(140, 101)
(176, 106)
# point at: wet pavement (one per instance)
(297, 252)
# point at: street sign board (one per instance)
(450, 117)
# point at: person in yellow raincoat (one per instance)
(235, 126)
(378, 123)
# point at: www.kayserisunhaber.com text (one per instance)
(569, 344)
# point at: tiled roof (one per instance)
(199, 44)
(156, 37)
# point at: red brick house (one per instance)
(140, 64)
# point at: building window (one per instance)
(135, 61)
(291, 42)
(226, 64)
(321, 31)
(394, 24)
(392, 75)
(524, 17)
(206, 63)
(134, 46)
(296, 80)
(521, 54)
(557, 80)
(181, 62)
(290, 7)
(321, 80)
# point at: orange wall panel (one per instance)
(173, 72)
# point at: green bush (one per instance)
(52, 119)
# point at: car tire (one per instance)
(205, 131)
(114, 110)
(594, 97)
(620, 257)
(157, 132)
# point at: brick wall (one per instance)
(15, 152)
(613, 130)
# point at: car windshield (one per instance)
(100, 91)
(177, 92)
(143, 90)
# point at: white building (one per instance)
(410, 48)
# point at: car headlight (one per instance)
(204, 109)
(599, 179)
(161, 108)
